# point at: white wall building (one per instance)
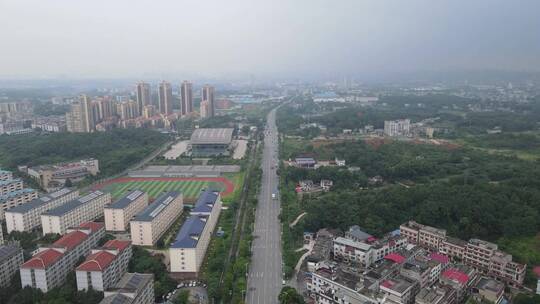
(11, 257)
(75, 212)
(49, 267)
(104, 266)
(189, 248)
(119, 213)
(10, 185)
(16, 198)
(27, 217)
(150, 224)
(400, 127)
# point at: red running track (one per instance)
(229, 186)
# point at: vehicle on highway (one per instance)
(274, 196)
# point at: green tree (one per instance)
(182, 297)
(289, 295)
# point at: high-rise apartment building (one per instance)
(165, 98)
(143, 95)
(205, 109)
(208, 95)
(81, 118)
(186, 101)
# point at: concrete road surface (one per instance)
(265, 273)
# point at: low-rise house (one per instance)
(489, 290)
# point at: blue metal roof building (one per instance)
(205, 202)
(191, 230)
(189, 234)
(152, 210)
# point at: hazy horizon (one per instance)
(206, 39)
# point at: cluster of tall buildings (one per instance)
(416, 264)
(99, 114)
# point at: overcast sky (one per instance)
(220, 38)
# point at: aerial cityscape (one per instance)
(270, 152)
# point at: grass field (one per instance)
(154, 187)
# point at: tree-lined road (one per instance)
(265, 274)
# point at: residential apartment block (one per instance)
(75, 212)
(11, 257)
(362, 248)
(150, 224)
(119, 213)
(104, 266)
(16, 198)
(133, 288)
(10, 185)
(189, 248)
(483, 256)
(5, 175)
(49, 267)
(400, 127)
(27, 217)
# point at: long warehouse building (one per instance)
(27, 217)
(189, 248)
(149, 225)
(84, 209)
(119, 213)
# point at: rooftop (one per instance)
(74, 204)
(131, 282)
(35, 203)
(439, 257)
(212, 136)
(456, 275)
(205, 202)
(16, 193)
(189, 234)
(352, 243)
(126, 200)
(357, 232)
(117, 244)
(490, 284)
(70, 240)
(97, 261)
(43, 259)
(397, 284)
(154, 209)
(396, 258)
(116, 298)
(9, 181)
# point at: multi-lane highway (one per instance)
(265, 273)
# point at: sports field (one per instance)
(190, 187)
